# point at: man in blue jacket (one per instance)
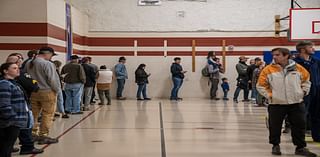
(312, 101)
(122, 75)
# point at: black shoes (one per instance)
(139, 99)
(226, 99)
(33, 151)
(235, 101)
(47, 140)
(276, 150)
(214, 98)
(305, 152)
(246, 100)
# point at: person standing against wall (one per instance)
(74, 79)
(242, 79)
(214, 74)
(312, 101)
(177, 78)
(142, 81)
(122, 75)
(284, 83)
(44, 101)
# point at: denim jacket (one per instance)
(121, 71)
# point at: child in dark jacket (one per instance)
(225, 88)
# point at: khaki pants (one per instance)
(44, 103)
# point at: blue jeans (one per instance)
(60, 101)
(87, 94)
(254, 93)
(142, 88)
(73, 96)
(225, 93)
(177, 83)
(120, 88)
(237, 92)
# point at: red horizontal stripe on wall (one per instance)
(179, 53)
(179, 41)
(126, 42)
(150, 53)
(46, 29)
(150, 42)
(9, 46)
(77, 39)
(58, 48)
(218, 53)
(23, 29)
(56, 32)
(105, 53)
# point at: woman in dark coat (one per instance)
(142, 81)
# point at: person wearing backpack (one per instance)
(214, 68)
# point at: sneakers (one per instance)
(47, 140)
(276, 150)
(305, 152)
(33, 151)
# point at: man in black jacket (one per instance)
(177, 78)
(90, 83)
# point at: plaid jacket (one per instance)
(13, 106)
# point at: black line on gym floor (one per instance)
(163, 141)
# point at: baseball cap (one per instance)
(74, 57)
